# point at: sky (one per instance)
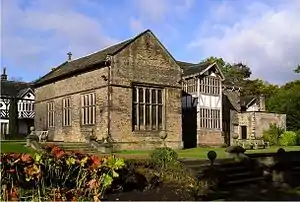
(263, 34)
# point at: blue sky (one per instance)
(37, 34)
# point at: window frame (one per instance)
(66, 112)
(210, 85)
(51, 114)
(88, 109)
(210, 118)
(148, 100)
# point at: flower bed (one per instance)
(60, 176)
(56, 175)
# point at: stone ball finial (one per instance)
(235, 136)
(31, 128)
(163, 135)
(212, 155)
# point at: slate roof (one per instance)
(82, 63)
(191, 68)
(13, 88)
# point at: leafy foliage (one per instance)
(287, 101)
(273, 134)
(289, 138)
(164, 157)
(297, 69)
(234, 73)
(56, 175)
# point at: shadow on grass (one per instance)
(260, 192)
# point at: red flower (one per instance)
(13, 194)
(55, 150)
(11, 170)
(26, 158)
(60, 154)
(14, 155)
(95, 161)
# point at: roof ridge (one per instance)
(19, 82)
(106, 47)
(109, 46)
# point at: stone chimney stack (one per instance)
(3, 75)
(262, 102)
(69, 56)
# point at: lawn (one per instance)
(14, 146)
(195, 153)
(201, 153)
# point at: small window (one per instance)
(88, 109)
(50, 112)
(66, 115)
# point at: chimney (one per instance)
(3, 75)
(69, 56)
(262, 103)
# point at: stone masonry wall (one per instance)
(264, 119)
(72, 87)
(210, 138)
(146, 62)
(257, 122)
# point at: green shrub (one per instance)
(298, 137)
(288, 138)
(273, 134)
(164, 157)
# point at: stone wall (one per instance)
(210, 138)
(147, 63)
(73, 88)
(257, 122)
(264, 119)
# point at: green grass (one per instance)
(13, 146)
(201, 153)
(196, 153)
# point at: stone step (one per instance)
(240, 176)
(235, 169)
(74, 146)
(244, 181)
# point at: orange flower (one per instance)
(26, 158)
(60, 154)
(13, 194)
(92, 184)
(32, 170)
(14, 155)
(95, 161)
(55, 150)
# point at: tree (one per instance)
(287, 101)
(258, 87)
(297, 70)
(234, 73)
(13, 117)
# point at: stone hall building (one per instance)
(139, 95)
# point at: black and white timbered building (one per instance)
(24, 94)
(202, 102)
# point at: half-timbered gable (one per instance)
(25, 96)
(203, 82)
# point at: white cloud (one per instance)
(267, 38)
(158, 10)
(136, 25)
(47, 29)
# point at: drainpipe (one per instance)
(108, 61)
